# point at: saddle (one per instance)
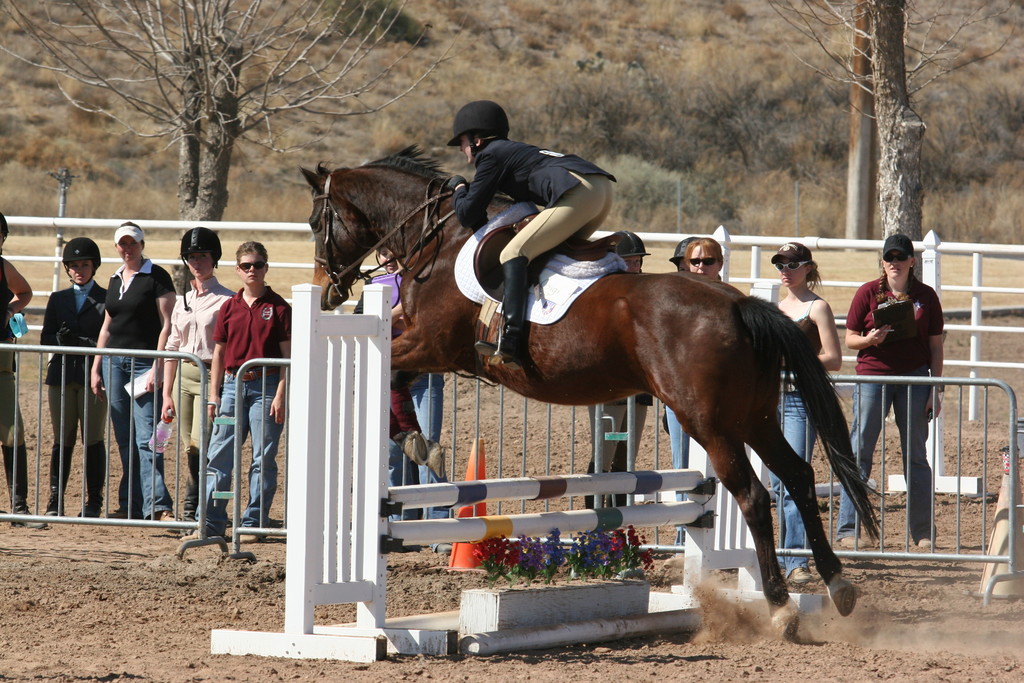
(488, 269)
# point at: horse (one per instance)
(711, 353)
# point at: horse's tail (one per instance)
(775, 337)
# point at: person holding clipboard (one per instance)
(895, 325)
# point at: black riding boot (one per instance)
(513, 308)
(95, 474)
(58, 479)
(19, 484)
(191, 486)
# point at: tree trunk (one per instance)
(900, 129)
(862, 170)
(209, 130)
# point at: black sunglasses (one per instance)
(707, 261)
(895, 256)
(792, 265)
(249, 265)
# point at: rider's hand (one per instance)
(454, 182)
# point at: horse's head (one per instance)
(358, 210)
(338, 231)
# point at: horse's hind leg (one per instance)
(798, 478)
(735, 472)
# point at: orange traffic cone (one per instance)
(999, 544)
(462, 553)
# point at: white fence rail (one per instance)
(931, 251)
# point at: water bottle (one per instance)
(18, 326)
(163, 434)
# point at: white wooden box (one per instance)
(484, 610)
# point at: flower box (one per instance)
(484, 610)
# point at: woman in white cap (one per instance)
(892, 348)
(799, 275)
(140, 299)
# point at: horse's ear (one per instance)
(316, 180)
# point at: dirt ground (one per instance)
(101, 604)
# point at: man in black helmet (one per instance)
(192, 325)
(576, 196)
(74, 317)
(680, 253)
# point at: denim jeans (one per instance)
(800, 434)
(266, 434)
(871, 403)
(428, 403)
(679, 442)
(142, 490)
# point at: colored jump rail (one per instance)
(543, 488)
(470, 529)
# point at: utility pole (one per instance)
(64, 178)
(861, 195)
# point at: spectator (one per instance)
(74, 317)
(883, 350)
(614, 455)
(254, 323)
(15, 294)
(140, 298)
(192, 324)
(701, 256)
(799, 275)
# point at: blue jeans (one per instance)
(800, 435)
(871, 403)
(428, 403)
(679, 442)
(266, 434)
(142, 491)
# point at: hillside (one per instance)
(705, 110)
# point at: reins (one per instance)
(427, 233)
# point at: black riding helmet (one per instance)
(198, 240)
(3, 226)
(483, 117)
(680, 251)
(630, 244)
(80, 249)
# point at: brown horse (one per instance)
(709, 352)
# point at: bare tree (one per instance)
(908, 45)
(204, 74)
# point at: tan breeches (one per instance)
(579, 212)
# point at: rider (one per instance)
(576, 194)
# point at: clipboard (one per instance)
(900, 315)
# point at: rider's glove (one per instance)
(455, 181)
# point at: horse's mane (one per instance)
(413, 160)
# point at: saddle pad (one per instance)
(561, 282)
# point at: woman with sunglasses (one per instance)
(704, 257)
(701, 256)
(880, 351)
(254, 323)
(799, 275)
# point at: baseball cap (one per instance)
(129, 230)
(792, 251)
(898, 242)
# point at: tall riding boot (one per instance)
(58, 479)
(513, 308)
(19, 483)
(192, 486)
(95, 474)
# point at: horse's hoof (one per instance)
(786, 621)
(843, 594)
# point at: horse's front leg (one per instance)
(736, 474)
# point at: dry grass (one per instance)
(705, 91)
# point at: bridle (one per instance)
(432, 226)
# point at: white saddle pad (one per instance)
(561, 282)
